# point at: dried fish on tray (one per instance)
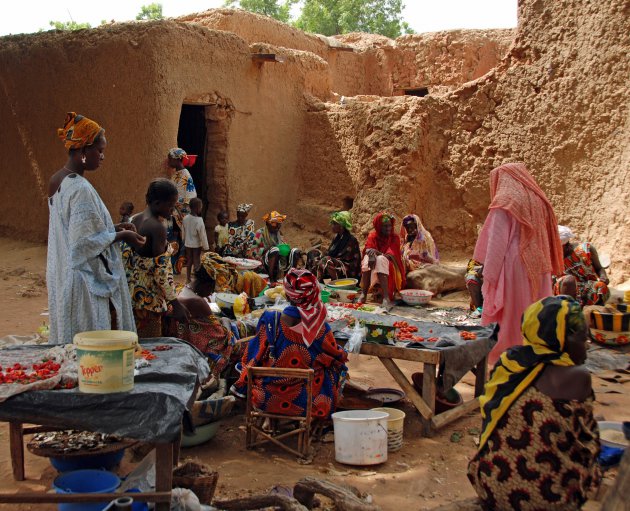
(75, 443)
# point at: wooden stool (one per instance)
(255, 418)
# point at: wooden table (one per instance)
(166, 455)
(152, 411)
(425, 403)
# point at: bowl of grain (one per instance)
(611, 434)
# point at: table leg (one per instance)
(16, 447)
(428, 395)
(423, 408)
(481, 371)
(163, 472)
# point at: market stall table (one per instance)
(151, 412)
(454, 355)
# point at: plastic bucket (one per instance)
(86, 481)
(395, 423)
(360, 437)
(96, 461)
(105, 359)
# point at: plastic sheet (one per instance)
(152, 411)
(458, 355)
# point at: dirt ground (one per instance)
(425, 473)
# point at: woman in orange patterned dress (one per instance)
(296, 338)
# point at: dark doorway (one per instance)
(418, 92)
(191, 137)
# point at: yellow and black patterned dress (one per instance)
(540, 455)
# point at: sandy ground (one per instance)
(425, 473)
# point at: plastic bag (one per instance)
(241, 306)
(357, 337)
(184, 500)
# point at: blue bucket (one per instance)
(86, 481)
(96, 461)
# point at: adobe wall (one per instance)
(136, 77)
(559, 102)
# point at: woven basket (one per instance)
(198, 478)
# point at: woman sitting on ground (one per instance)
(209, 334)
(539, 441)
(266, 248)
(298, 338)
(418, 248)
(584, 277)
(241, 234)
(343, 258)
(149, 269)
(382, 261)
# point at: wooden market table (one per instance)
(151, 412)
(425, 403)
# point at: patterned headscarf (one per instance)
(274, 217)
(244, 208)
(546, 324)
(302, 289)
(221, 272)
(177, 153)
(423, 236)
(566, 234)
(342, 218)
(78, 131)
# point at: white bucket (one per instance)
(105, 360)
(360, 437)
(395, 424)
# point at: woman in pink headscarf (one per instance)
(520, 249)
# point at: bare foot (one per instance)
(360, 298)
(387, 304)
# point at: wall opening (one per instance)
(191, 137)
(419, 92)
(348, 202)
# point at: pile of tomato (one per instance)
(405, 332)
(163, 347)
(22, 374)
(147, 355)
(468, 336)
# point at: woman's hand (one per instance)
(125, 226)
(132, 238)
(180, 312)
(372, 255)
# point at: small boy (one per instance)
(221, 235)
(125, 210)
(195, 238)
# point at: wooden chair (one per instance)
(255, 418)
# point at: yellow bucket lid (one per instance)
(104, 338)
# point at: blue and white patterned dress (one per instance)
(84, 269)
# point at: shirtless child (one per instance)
(149, 269)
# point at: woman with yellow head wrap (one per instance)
(539, 441)
(85, 275)
(343, 258)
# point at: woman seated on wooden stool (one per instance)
(297, 338)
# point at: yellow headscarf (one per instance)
(274, 217)
(78, 131)
(228, 279)
(546, 324)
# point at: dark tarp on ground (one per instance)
(458, 355)
(151, 412)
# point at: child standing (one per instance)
(195, 237)
(221, 234)
(125, 210)
(149, 270)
